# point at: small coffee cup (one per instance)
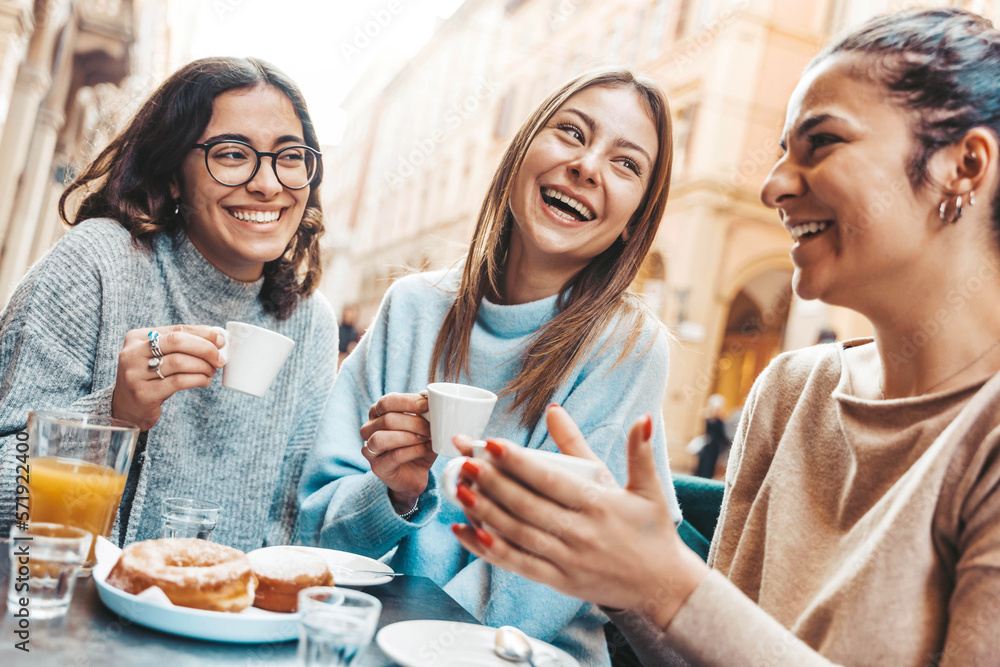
(585, 469)
(457, 409)
(252, 356)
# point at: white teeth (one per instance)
(808, 228)
(579, 206)
(255, 216)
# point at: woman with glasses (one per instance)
(205, 209)
(539, 312)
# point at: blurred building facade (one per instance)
(403, 190)
(71, 71)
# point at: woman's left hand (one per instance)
(612, 546)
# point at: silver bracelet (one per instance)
(413, 510)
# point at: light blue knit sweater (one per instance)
(343, 505)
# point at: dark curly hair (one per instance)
(940, 64)
(130, 180)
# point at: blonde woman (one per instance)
(539, 312)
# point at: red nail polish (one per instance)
(494, 448)
(470, 470)
(484, 537)
(648, 429)
(456, 527)
(551, 405)
(465, 496)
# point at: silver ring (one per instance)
(154, 344)
(159, 373)
(154, 365)
(370, 450)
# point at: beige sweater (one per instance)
(866, 532)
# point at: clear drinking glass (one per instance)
(44, 561)
(189, 517)
(77, 469)
(336, 625)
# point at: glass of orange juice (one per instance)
(77, 467)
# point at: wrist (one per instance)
(403, 504)
(688, 571)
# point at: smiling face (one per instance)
(239, 229)
(582, 178)
(843, 192)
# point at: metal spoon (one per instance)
(511, 644)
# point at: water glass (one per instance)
(44, 561)
(189, 517)
(336, 625)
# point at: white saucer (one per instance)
(452, 644)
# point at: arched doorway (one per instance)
(754, 334)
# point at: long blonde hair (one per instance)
(589, 301)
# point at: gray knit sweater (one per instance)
(60, 337)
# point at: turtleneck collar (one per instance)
(519, 320)
(194, 270)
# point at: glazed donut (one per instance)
(192, 572)
(284, 571)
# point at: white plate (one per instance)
(343, 565)
(452, 644)
(249, 626)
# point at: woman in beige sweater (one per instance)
(861, 521)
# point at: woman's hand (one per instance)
(616, 547)
(190, 359)
(398, 446)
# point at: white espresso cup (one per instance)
(585, 469)
(253, 357)
(457, 409)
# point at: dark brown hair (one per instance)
(130, 180)
(940, 64)
(594, 297)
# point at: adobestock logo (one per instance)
(223, 7)
(371, 29)
(409, 163)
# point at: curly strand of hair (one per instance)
(295, 275)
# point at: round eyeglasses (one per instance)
(235, 163)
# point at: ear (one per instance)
(175, 189)
(973, 162)
(626, 234)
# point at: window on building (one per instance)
(632, 47)
(424, 215)
(683, 131)
(683, 18)
(470, 155)
(654, 43)
(502, 125)
(834, 19)
(615, 40)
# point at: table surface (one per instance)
(92, 635)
